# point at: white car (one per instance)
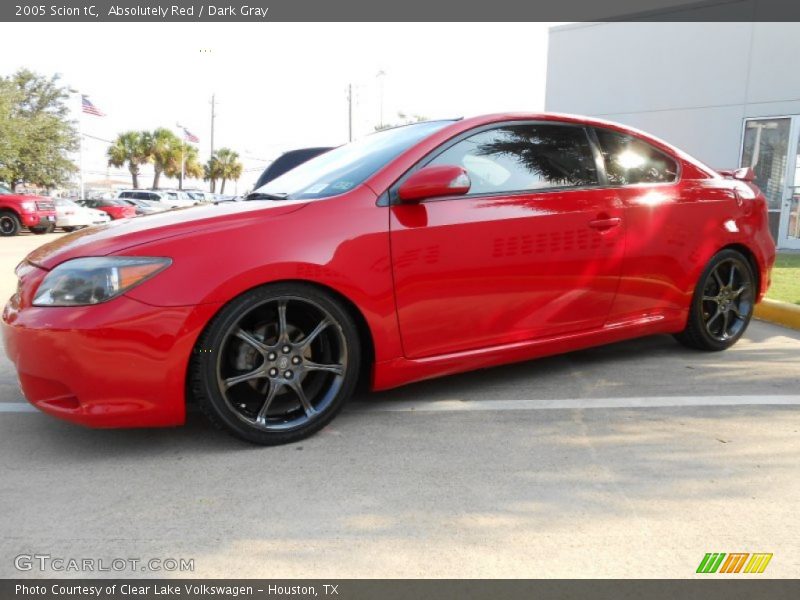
(71, 216)
(172, 199)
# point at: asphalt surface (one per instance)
(631, 460)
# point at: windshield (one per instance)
(64, 202)
(345, 167)
(4, 190)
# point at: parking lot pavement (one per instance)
(631, 460)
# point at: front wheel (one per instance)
(276, 364)
(9, 223)
(722, 305)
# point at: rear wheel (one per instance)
(276, 364)
(722, 305)
(9, 223)
(70, 229)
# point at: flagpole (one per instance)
(183, 160)
(80, 146)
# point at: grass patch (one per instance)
(786, 279)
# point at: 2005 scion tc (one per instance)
(416, 252)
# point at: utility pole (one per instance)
(213, 116)
(349, 112)
(380, 76)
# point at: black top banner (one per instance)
(397, 10)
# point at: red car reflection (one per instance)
(412, 253)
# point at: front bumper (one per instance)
(117, 364)
(74, 221)
(38, 219)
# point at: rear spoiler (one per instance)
(743, 174)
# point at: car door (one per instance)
(533, 250)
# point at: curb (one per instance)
(781, 313)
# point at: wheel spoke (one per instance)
(255, 374)
(297, 387)
(718, 279)
(733, 272)
(712, 319)
(738, 292)
(725, 322)
(312, 366)
(251, 339)
(283, 331)
(321, 326)
(274, 387)
(710, 299)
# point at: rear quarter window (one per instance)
(630, 160)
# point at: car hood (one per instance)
(24, 197)
(126, 233)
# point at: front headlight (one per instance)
(93, 280)
(28, 206)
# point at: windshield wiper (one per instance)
(263, 196)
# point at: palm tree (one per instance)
(212, 172)
(229, 166)
(191, 164)
(130, 149)
(164, 148)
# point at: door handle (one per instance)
(605, 224)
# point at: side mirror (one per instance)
(433, 182)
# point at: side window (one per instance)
(125, 195)
(630, 160)
(516, 158)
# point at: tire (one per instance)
(722, 304)
(274, 381)
(49, 228)
(9, 224)
(70, 229)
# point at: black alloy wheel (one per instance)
(9, 224)
(276, 364)
(723, 303)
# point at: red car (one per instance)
(415, 252)
(116, 209)
(17, 211)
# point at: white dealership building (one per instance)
(727, 93)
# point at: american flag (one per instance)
(189, 136)
(89, 108)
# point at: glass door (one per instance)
(771, 147)
(789, 230)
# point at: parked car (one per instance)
(200, 196)
(19, 210)
(117, 209)
(71, 216)
(415, 252)
(166, 198)
(179, 198)
(288, 161)
(144, 207)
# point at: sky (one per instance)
(278, 86)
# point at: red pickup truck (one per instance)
(17, 211)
